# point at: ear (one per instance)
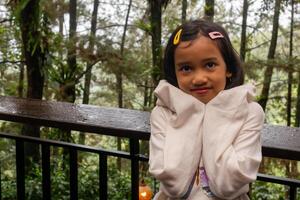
(228, 74)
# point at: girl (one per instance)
(205, 128)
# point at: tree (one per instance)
(290, 72)
(209, 10)
(67, 88)
(271, 54)
(183, 8)
(297, 115)
(89, 64)
(88, 75)
(35, 49)
(291, 166)
(119, 75)
(244, 30)
(297, 121)
(155, 19)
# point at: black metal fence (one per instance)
(133, 155)
(278, 141)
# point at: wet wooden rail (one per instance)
(278, 141)
(87, 118)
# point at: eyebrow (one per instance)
(182, 63)
(203, 61)
(210, 59)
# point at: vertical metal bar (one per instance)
(103, 176)
(46, 172)
(154, 186)
(73, 174)
(134, 151)
(293, 192)
(20, 169)
(0, 180)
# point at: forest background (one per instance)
(109, 53)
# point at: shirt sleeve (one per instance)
(175, 149)
(232, 150)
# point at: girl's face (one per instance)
(200, 68)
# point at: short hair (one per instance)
(190, 31)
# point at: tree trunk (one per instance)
(34, 59)
(184, 8)
(61, 28)
(119, 77)
(297, 120)
(68, 87)
(209, 10)
(294, 168)
(21, 80)
(88, 75)
(151, 98)
(244, 30)
(269, 71)
(146, 90)
(34, 55)
(289, 98)
(155, 18)
(120, 104)
(290, 71)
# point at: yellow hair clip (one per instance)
(177, 37)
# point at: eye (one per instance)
(210, 65)
(185, 68)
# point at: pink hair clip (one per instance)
(215, 34)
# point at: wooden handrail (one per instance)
(278, 141)
(79, 117)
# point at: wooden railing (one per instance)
(278, 141)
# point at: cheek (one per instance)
(178, 77)
(182, 82)
(220, 80)
(223, 82)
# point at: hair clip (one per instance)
(177, 37)
(215, 34)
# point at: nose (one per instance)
(200, 77)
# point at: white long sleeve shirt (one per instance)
(223, 136)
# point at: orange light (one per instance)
(145, 192)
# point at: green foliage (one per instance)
(267, 191)
(119, 185)
(9, 190)
(88, 177)
(145, 26)
(8, 173)
(19, 7)
(33, 183)
(59, 184)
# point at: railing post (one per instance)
(0, 180)
(20, 169)
(103, 176)
(134, 151)
(46, 172)
(293, 192)
(73, 174)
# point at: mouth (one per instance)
(202, 90)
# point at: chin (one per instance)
(203, 100)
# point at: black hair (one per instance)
(190, 31)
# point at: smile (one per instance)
(200, 90)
